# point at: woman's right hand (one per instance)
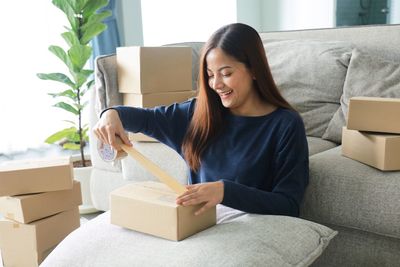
(108, 127)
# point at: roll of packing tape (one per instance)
(108, 153)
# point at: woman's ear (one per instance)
(253, 75)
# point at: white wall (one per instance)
(175, 21)
(278, 15)
(394, 17)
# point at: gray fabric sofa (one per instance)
(310, 67)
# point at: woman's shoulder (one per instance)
(287, 114)
(288, 118)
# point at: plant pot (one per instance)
(83, 174)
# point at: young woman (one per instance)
(245, 145)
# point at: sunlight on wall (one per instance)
(181, 21)
(26, 113)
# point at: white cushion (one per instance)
(238, 239)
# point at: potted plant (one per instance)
(85, 22)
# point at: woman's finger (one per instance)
(203, 209)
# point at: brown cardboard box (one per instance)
(28, 208)
(379, 150)
(144, 70)
(374, 114)
(156, 99)
(150, 207)
(30, 257)
(35, 176)
(28, 244)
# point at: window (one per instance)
(26, 113)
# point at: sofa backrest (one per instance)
(384, 40)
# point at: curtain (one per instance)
(109, 40)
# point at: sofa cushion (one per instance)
(316, 145)
(253, 240)
(353, 247)
(367, 75)
(346, 192)
(310, 74)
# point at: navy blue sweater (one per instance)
(262, 161)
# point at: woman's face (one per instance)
(232, 81)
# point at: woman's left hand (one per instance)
(210, 194)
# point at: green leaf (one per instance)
(67, 107)
(79, 55)
(70, 38)
(71, 146)
(68, 11)
(67, 93)
(91, 31)
(58, 77)
(96, 18)
(89, 84)
(76, 5)
(60, 135)
(92, 6)
(74, 137)
(81, 77)
(84, 91)
(61, 54)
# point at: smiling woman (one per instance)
(27, 115)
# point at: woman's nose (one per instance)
(217, 83)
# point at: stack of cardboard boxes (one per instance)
(154, 76)
(39, 201)
(372, 135)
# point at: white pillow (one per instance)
(238, 239)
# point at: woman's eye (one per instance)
(226, 74)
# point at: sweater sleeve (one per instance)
(167, 124)
(290, 178)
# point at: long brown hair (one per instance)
(243, 43)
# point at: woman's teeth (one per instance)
(226, 93)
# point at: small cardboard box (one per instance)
(374, 114)
(149, 207)
(35, 176)
(32, 207)
(144, 70)
(156, 99)
(28, 244)
(379, 150)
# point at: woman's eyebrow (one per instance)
(221, 68)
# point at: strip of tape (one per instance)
(154, 169)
